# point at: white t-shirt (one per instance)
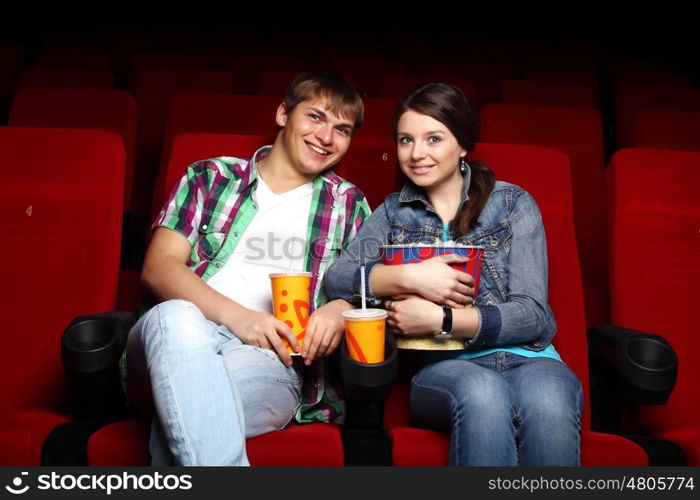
(274, 241)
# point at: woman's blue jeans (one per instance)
(208, 390)
(502, 409)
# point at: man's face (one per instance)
(314, 137)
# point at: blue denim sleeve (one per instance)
(525, 316)
(342, 280)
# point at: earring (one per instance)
(463, 166)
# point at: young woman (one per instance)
(507, 399)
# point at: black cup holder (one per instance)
(91, 345)
(365, 381)
(650, 354)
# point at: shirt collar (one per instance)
(251, 174)
(410, 192)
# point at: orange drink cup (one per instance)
(290, 302)
(364, 334)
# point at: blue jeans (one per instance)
(209, 391)
(502, 409)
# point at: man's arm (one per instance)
(165, 274)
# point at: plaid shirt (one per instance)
(212, 206)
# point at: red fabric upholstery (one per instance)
(62, 191)
(666, 129)
(544, 173)
(378, 114)
(577, 132)
(189, 148)
(633, 98)
(655, 255)
(126, 444)
(486, 75)
(102, 109)
(394, 86)
(74, 78)
(153, 90)
(371, 165)
(548, 93)
(365, 72)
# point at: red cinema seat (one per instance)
(191, 147)
(153, 90)
(486, 75)
(365, 72)
(623, 72)
(378, 115)
(662, 129)
(629, 100)
(371, 165)
(545, 93)
(274, 82)
(70, 77)
(62, 191)
(655, 276)
(577, 132)
(102, 109)
(545, 174)
(666, 130)
(395, 86)
(247, 69)
(126, 442)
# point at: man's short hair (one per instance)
(344, 99)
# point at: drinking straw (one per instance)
(362, 283)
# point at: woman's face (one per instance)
(428, 152)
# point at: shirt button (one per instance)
(217, 264)
(235, 234)
(536, 344)
(204, 227)
(255, 206)
(494, 243)
(489, 302)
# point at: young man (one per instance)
(211, 356)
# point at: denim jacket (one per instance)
(512, 297)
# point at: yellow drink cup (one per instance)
(365, 333)
(290, 302)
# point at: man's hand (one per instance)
(264, 330)
(324, 331)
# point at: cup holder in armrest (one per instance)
(646, 364)
(93, 345)
(364, 381)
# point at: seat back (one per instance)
(102, 109)
(578, 132)
(655, 264)
(544, 173)
(654, 128)
(631, 99)
(547, 93)
(62, 195)
(70, 77)
(191, 147)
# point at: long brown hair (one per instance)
(448, 105)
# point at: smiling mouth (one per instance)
(421, 169)
(317, 150)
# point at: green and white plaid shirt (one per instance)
(212, 206)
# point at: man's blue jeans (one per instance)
(502, 409)
(210, 391)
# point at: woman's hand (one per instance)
(413, 315)
(436, 281)
(324, 330)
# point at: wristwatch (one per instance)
(446, 329)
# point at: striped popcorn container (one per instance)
(407, 254)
